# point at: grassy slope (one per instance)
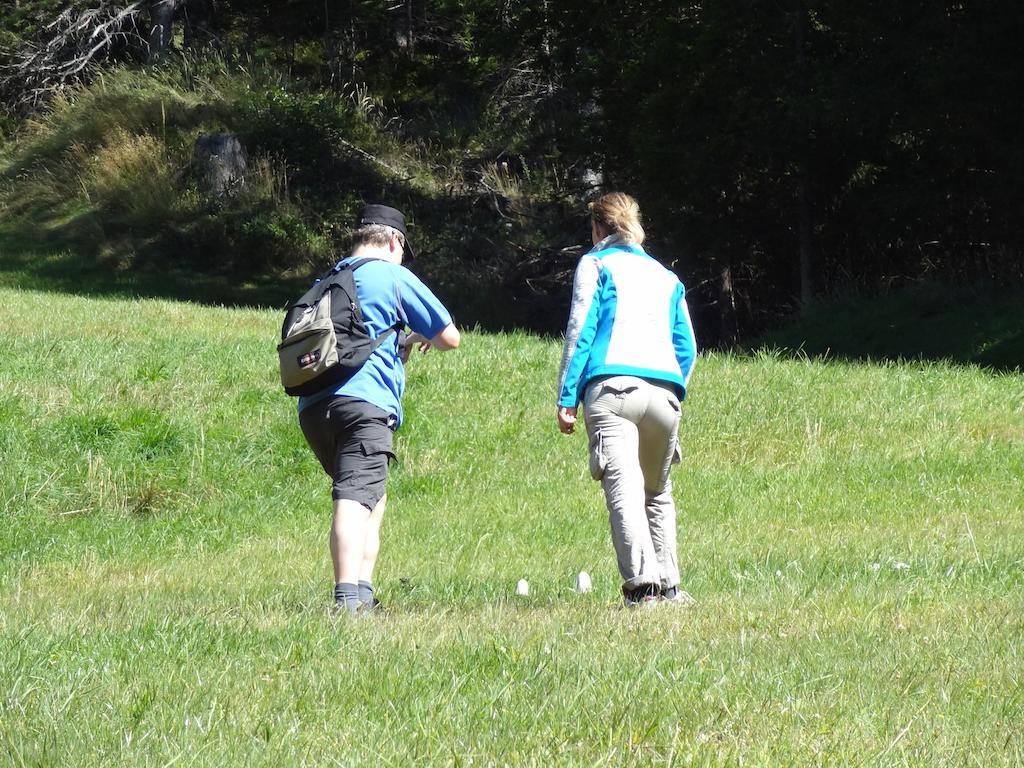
(164, 573)
(99, 194)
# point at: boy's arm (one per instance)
(428, 318)
(447, 338)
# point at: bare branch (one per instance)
(77, 38)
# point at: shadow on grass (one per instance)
(46, 265)
(49, 246)
(982, 326)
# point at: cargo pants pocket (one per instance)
(598, 459)
(374, 448)
(677, 450)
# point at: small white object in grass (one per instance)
(583, 583)
(875, 567)
(900, 566)
(522, 587)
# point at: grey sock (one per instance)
(366, 592)
(346, 595)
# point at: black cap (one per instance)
(389, 217)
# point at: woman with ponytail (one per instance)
(629, 351)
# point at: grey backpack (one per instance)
(324, 340)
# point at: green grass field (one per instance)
(853, 533)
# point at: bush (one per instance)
(308, 131)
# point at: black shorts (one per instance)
(353, 441)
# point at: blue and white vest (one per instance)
(628, 318)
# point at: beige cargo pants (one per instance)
(633, 424)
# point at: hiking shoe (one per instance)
(678, 597)
(346, 610)
(637, 597)
(372, 607)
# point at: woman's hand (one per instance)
(566, 420)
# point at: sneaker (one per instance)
(637, 597)
(341, 609)
(373, 607)
(676, 596)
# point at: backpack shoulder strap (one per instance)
(394, 329)
(357, 264)
(323, 283)
(351, 266)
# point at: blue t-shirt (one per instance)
(387, 293)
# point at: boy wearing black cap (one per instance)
(350, 427)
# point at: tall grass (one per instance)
(130, 176)
(853, 533)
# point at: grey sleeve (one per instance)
(584, 285)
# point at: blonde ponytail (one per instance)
(621, 214)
